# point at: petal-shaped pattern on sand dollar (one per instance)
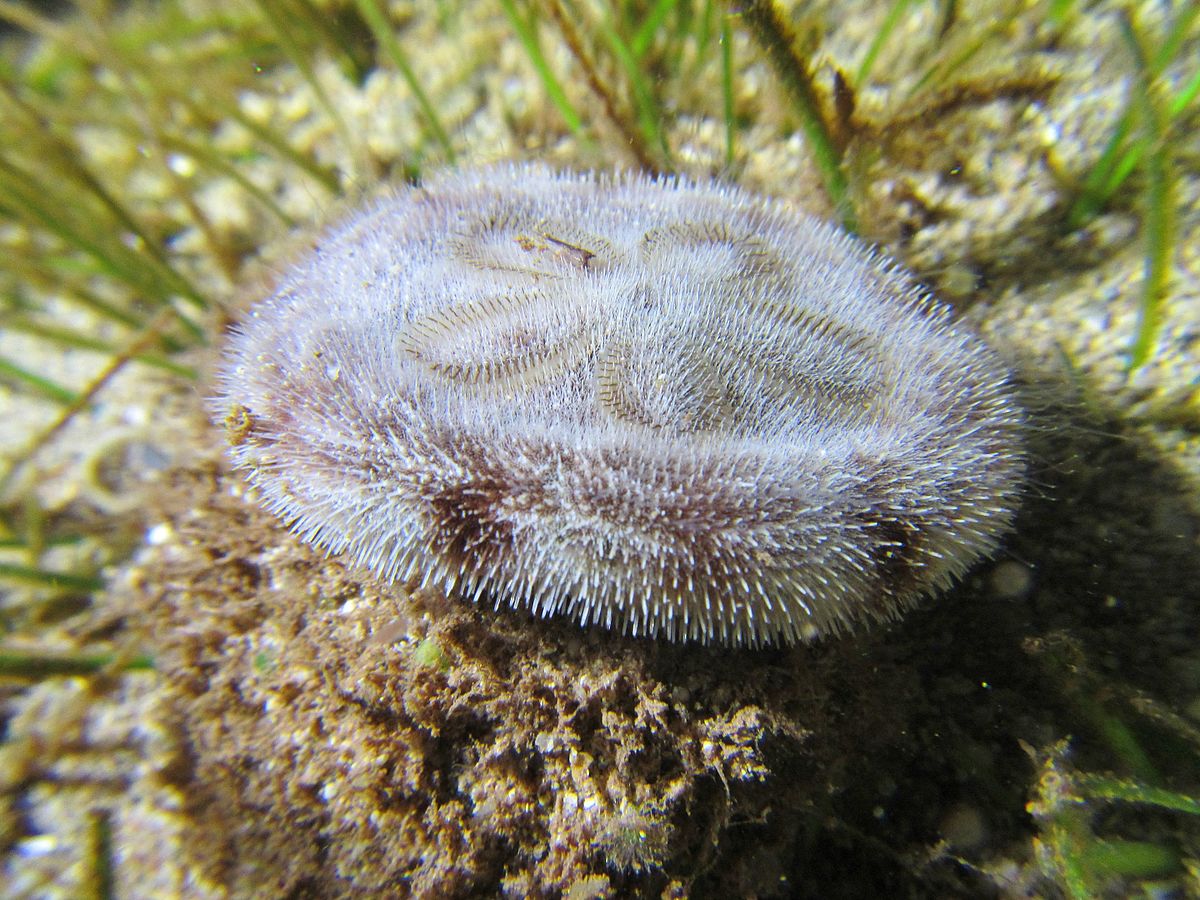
(681, 393)
(521, 336)
(721, 250)
(526, 244)
(804, 357)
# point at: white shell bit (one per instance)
(668, 408)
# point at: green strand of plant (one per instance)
(894, 14)
(29, 575)
(101, 878)
(26, 664)
(649, 114)
(777, 42)
(1131, 859)
(280, 23)
(704, 30)
(527, 35)
(65, 540)
(1108, 787)
(1060, 10)
(1061, 840)
(273, 139)
(55, 151)
(218, 163)
(1117, 161)
(727, 89)
(644, 36)
(1120, 739)
(41, 206)
(1133, 155)
(1158, 206)
(42, 273)
(383, 32)
(39, 384)
(67, 337)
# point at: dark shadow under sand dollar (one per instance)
(673, 409)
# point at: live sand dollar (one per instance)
(670, 408)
